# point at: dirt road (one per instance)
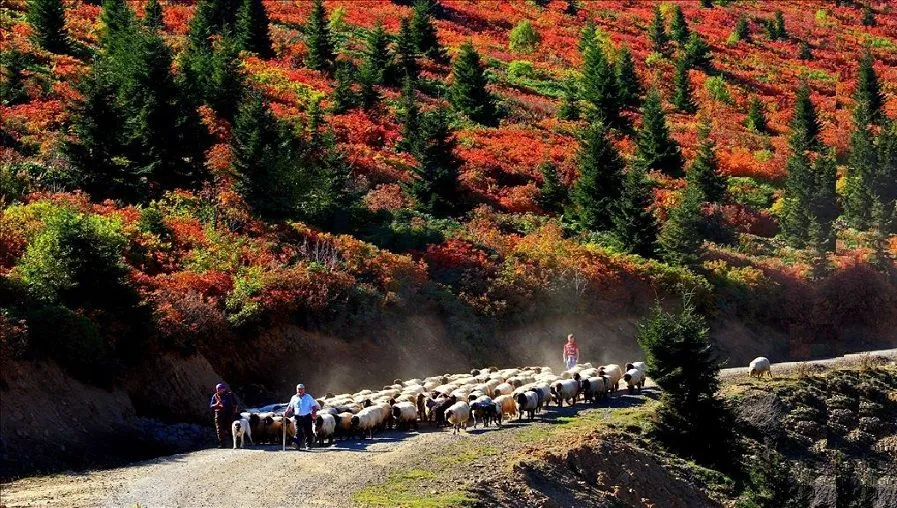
(266, 475)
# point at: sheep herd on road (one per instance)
(483, 396)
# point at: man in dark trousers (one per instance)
(305, 408)
(224, 403)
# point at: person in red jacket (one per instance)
(571, 352)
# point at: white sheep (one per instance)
(565, 390)
(637, 365)
(365, 421)
(240, 430)
(325, 428)
(526, 402)
(594, 388)
(613, 371)
(634, 379)
(404, 414)
(760, 366)
(504, 389)
(507, 404)
(458, 414)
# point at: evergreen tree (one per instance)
(704, 174)
(523, 38)
(868, 89)
(742, 30)
(868, 15)
(552, 193)
(368, 78)
(196, 60)
(599, 86)
(778, 30)
(756, 117)
(678, 26)
(468, 92)
(861, 167)
(634, 224)
(152, 15)
(600, 179)
(12, 79)
(406, 49)
(318, 39)
(410, 116)
(886, 176)
(587, 37)
(97, 151)
(226, 81)
(423, 32)
(629, 88)
(569, 109)
(657, 33)
(47, 20)
(683, 98)
(119, 31)
(343, 98)
(707, 4)
(377, 56)
(655, 149)
(805, 121)
(435, 184)
(691, 419)
(810, 196)
(804, 51)
(328, 201)
(252, 28)
(263, 158)
(697, 52)
(681, 238)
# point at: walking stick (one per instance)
(284, 430)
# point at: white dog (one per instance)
(240, 430)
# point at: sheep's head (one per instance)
(752, 372)
(627, 377)
(355, 422)
(254, 419)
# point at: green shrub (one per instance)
(716, 87)
(523, 38)
(520, 69)
(747, 191)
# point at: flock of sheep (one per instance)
(484, 396)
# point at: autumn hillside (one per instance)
(238, 175)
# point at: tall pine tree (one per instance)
(226, 83)
(810, 196)
(47, 20)
(569, 108)
(435, 184)
(407, 50)
(697, 52)
(410, 117)
(681, 238)
(552, 193)
(704, 174)
(252, 28)
(152, 15)
(634, 224)
(600, 181)
(655, 149)
(861, 168)
(377, 56)
(599, 86)
(868, 89)
(805, 122)
(683, 98)
(468, 92)
(318, 39)
(678, 26)
(423, 31)
(756, 117)
(629, 88)
(660, 41)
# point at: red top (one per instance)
(571, 349)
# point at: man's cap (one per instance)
(220, 386)
(300, 386)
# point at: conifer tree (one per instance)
(599, 85)
(406, 49)
(742, 31)
(377, 56)
(681, 238)
(678, 26)
(707, 4)
(318, 39)
(704, 174)
(634, 224)
(410, 116)
(629, 88)
(805, 122)
(252, 28)
(12, 79)
(697, 52)
(196, 59)
(804, 52)
(368, 78)
(343, 98)
(552, 193)
(868, 89)
(226, 83)
(47, 20)
(683, 98)
(152, 15)
(861, 167)
(587, 37)
(119, 31)
(423, 32)
(810, 195)
(523, 38)
(569, 108)
(691, 420)
(435, 184)
(600, 179)
(468, 92)
(655, 149)
(657, 33)
(868, 15)
(756, 117)
(778, 24)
